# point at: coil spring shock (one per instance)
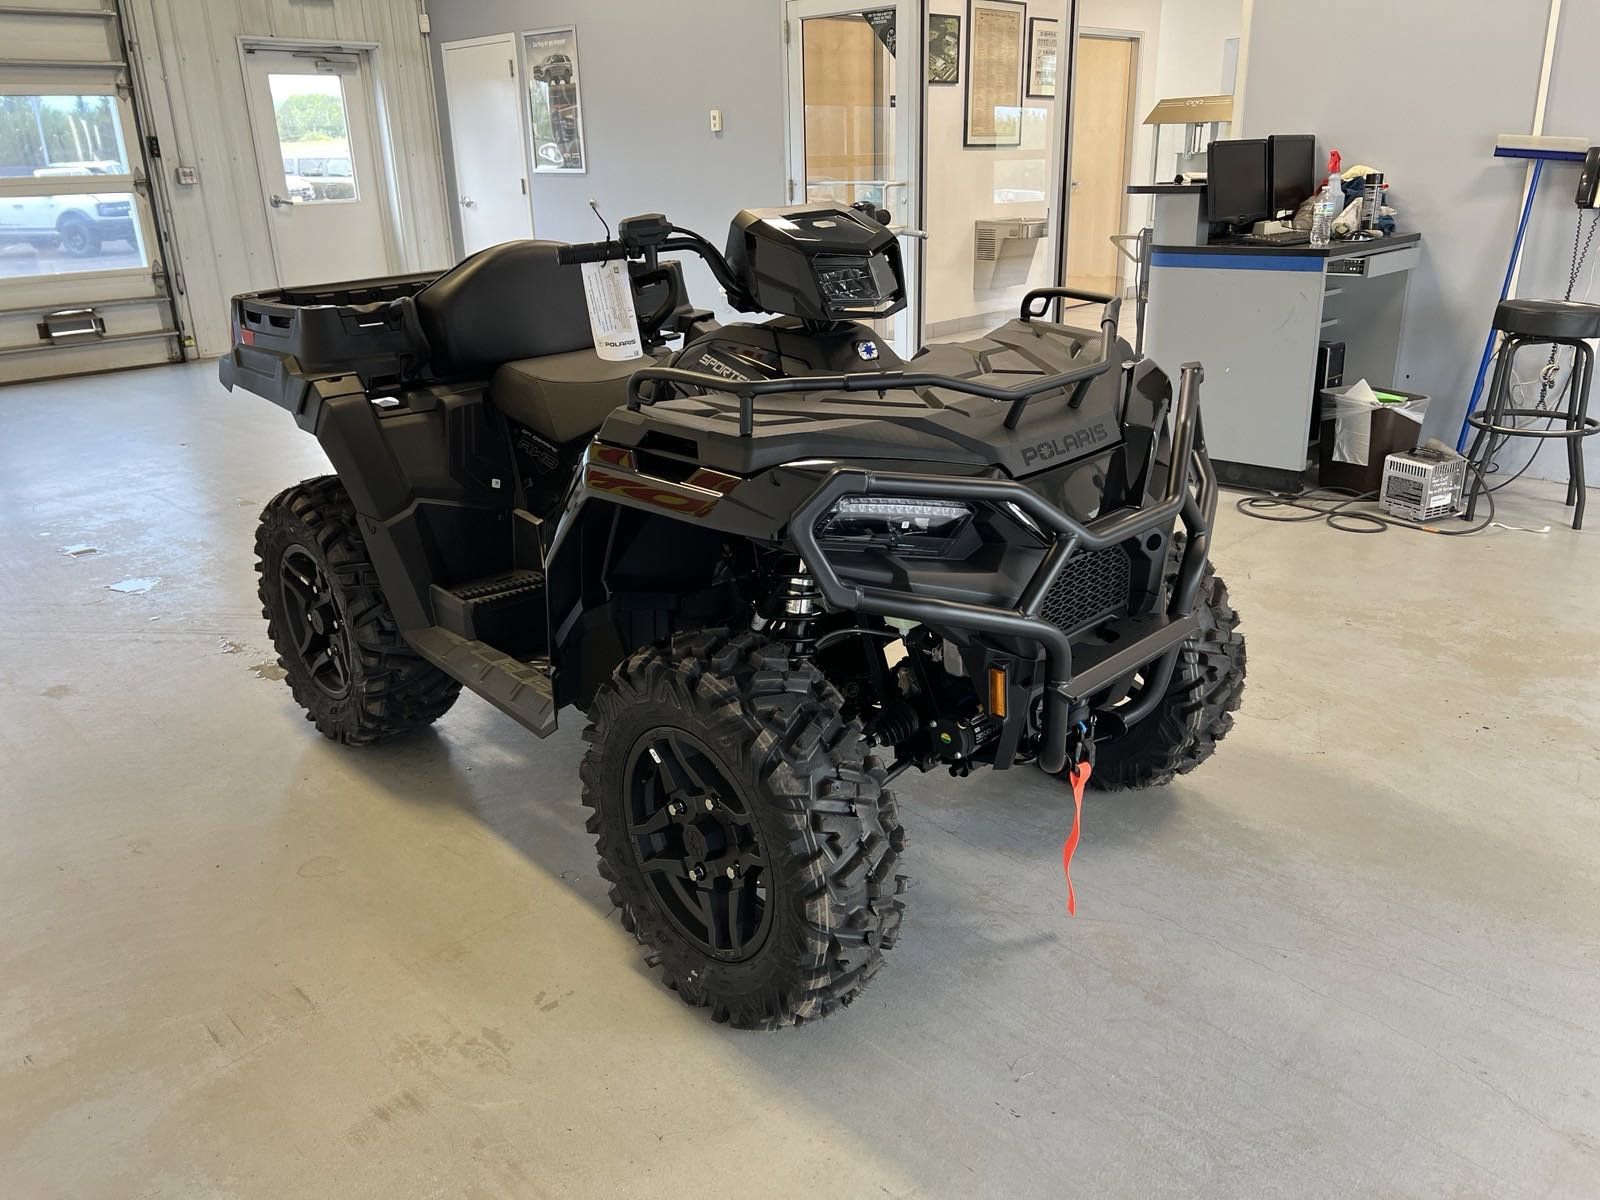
(790, 613)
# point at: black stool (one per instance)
(1539, 323)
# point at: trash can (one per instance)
(1358, 434)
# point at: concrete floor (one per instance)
(1358, 954)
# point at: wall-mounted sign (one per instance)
(994, 73)
(555, 108)
(1044, 45)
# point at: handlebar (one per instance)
(590, 252)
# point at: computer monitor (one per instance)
(1238, 190)
(1294, 169)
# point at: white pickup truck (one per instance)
(80, 224)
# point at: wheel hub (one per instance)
(697, 844)
(311, 612)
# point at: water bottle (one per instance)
(1326, 209)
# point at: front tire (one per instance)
(1196, 711)
(747, 833)
(337, 642)
(78, 238)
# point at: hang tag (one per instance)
(615, 326)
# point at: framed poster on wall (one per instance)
(555, 107)
(1044, 46)
(944, 48)
(994, 73)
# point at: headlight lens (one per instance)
(920, 528)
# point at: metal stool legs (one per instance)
(1578, 412)
(1482, 451)
(1498, 419)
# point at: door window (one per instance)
(849, 107)
(854, 73)
(314, 136)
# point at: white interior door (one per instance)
(855, 103)
(311, 116)
(483, 90)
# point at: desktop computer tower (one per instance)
(1330, 374)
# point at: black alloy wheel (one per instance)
(697, 844)
(315, 625)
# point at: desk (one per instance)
(1252, 316)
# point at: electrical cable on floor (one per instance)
(1332, 506)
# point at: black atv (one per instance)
(775, 567)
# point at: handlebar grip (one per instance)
(590, 252)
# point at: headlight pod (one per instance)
(916, 528)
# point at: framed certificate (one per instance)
(995, 31)
(1044, 46)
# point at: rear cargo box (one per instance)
(368, 328)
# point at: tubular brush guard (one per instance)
(1196, 508)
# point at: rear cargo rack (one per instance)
(747, 390)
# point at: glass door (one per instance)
(855, 80)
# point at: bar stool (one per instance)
(1539, 323)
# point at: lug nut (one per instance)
(710, 804)
(697, 873)
(733, 871)
(675, 809)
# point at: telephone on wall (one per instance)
(1589, 181)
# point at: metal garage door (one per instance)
(82, 285)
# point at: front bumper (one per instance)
(1191, 495)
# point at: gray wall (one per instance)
(1420, 93)
(650, 73)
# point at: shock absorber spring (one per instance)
(789, 614)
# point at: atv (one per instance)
(772, 563)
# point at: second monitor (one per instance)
(1293, 159)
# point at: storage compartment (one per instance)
(368, 328)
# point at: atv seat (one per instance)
(516, 313)
(562, 396)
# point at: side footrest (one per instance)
(506, 610)
(521, 690)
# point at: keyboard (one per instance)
(1287, 237)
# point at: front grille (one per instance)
(1092, 586)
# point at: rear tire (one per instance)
(337, 642)
(1195, 713)
(778, 789)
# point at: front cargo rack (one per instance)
(748, 390)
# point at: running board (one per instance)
(1141, 640)
(521, 690)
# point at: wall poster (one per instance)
(944, 48)
(555, 111)
(994, 73)
(1044, 44)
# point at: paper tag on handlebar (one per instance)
(609, 291)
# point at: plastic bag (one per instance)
(1352, 412)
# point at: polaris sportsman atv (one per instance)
(775, 567)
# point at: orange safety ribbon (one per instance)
(1077, 776)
